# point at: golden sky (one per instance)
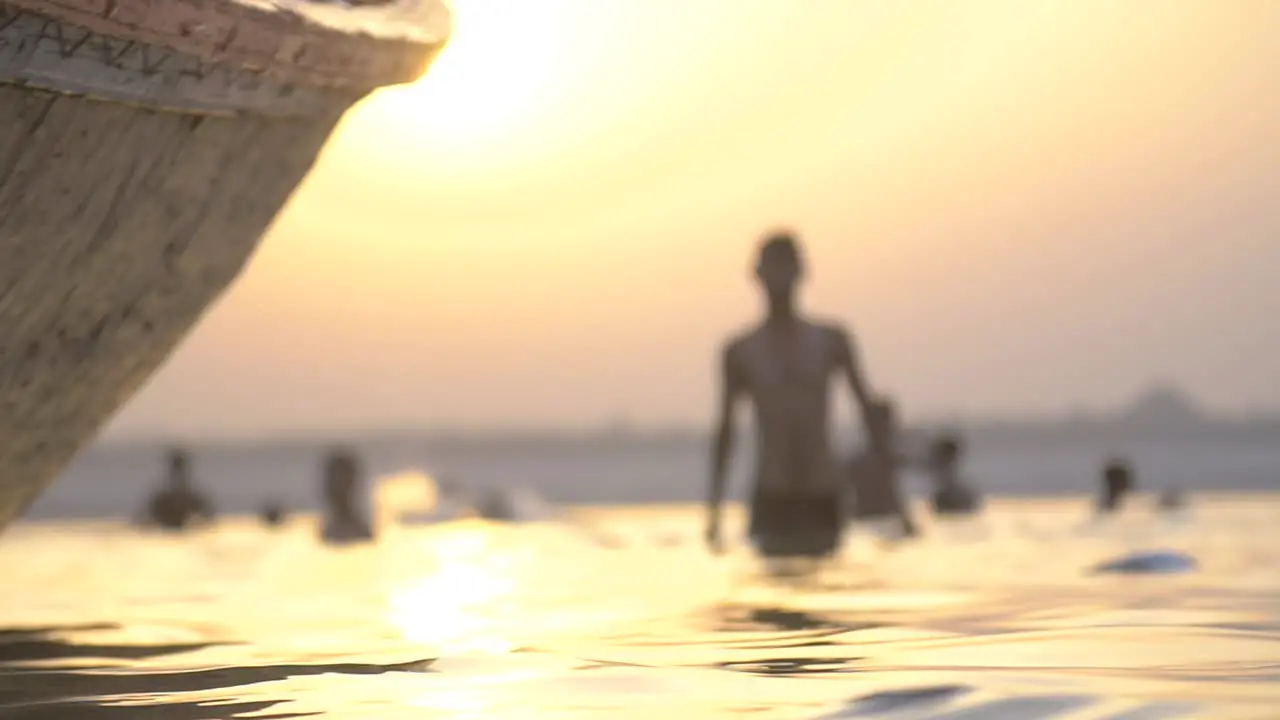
(1018, 205)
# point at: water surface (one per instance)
(620, 613)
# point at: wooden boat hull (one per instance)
(145, 147)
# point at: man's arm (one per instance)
(847, 357)
(851, 368)
(731, 388)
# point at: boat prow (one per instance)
(145, 146)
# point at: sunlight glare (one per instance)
(491, 79)
(405, 491)
(452, 609)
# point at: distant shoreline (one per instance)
(1002, 428)
(585, 510)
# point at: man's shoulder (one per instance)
(737, 341)
(830, 328)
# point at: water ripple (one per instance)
(476, 620)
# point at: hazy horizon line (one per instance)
(606, 429)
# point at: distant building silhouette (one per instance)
(1163, 404)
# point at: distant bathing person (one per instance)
(784, 366)
(177, 505)
(952, 495)
(345, 521)
(876, 493)
(272, 514)
(1171, 499)
(496, 504)
(508, 504)
(1117, 482)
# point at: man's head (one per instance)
(780, 265)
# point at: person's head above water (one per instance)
(341, 478)
(1171, 499)
(780, 267)
(946, 450)
(1117, 481)
(272, 513)
(1117, 474)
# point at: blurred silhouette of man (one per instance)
(344, 521)
(784, 367)
(177, 504)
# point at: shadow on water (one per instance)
(935, 700)
(19, 645)
(792, 666)
(780, 619)
(74, 709)
(799, 630)
(31, 691)
(899, 701)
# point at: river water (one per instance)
(619, 612)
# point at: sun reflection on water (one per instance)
(454, 606)
(472, 619)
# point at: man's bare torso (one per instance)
(786, 371)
